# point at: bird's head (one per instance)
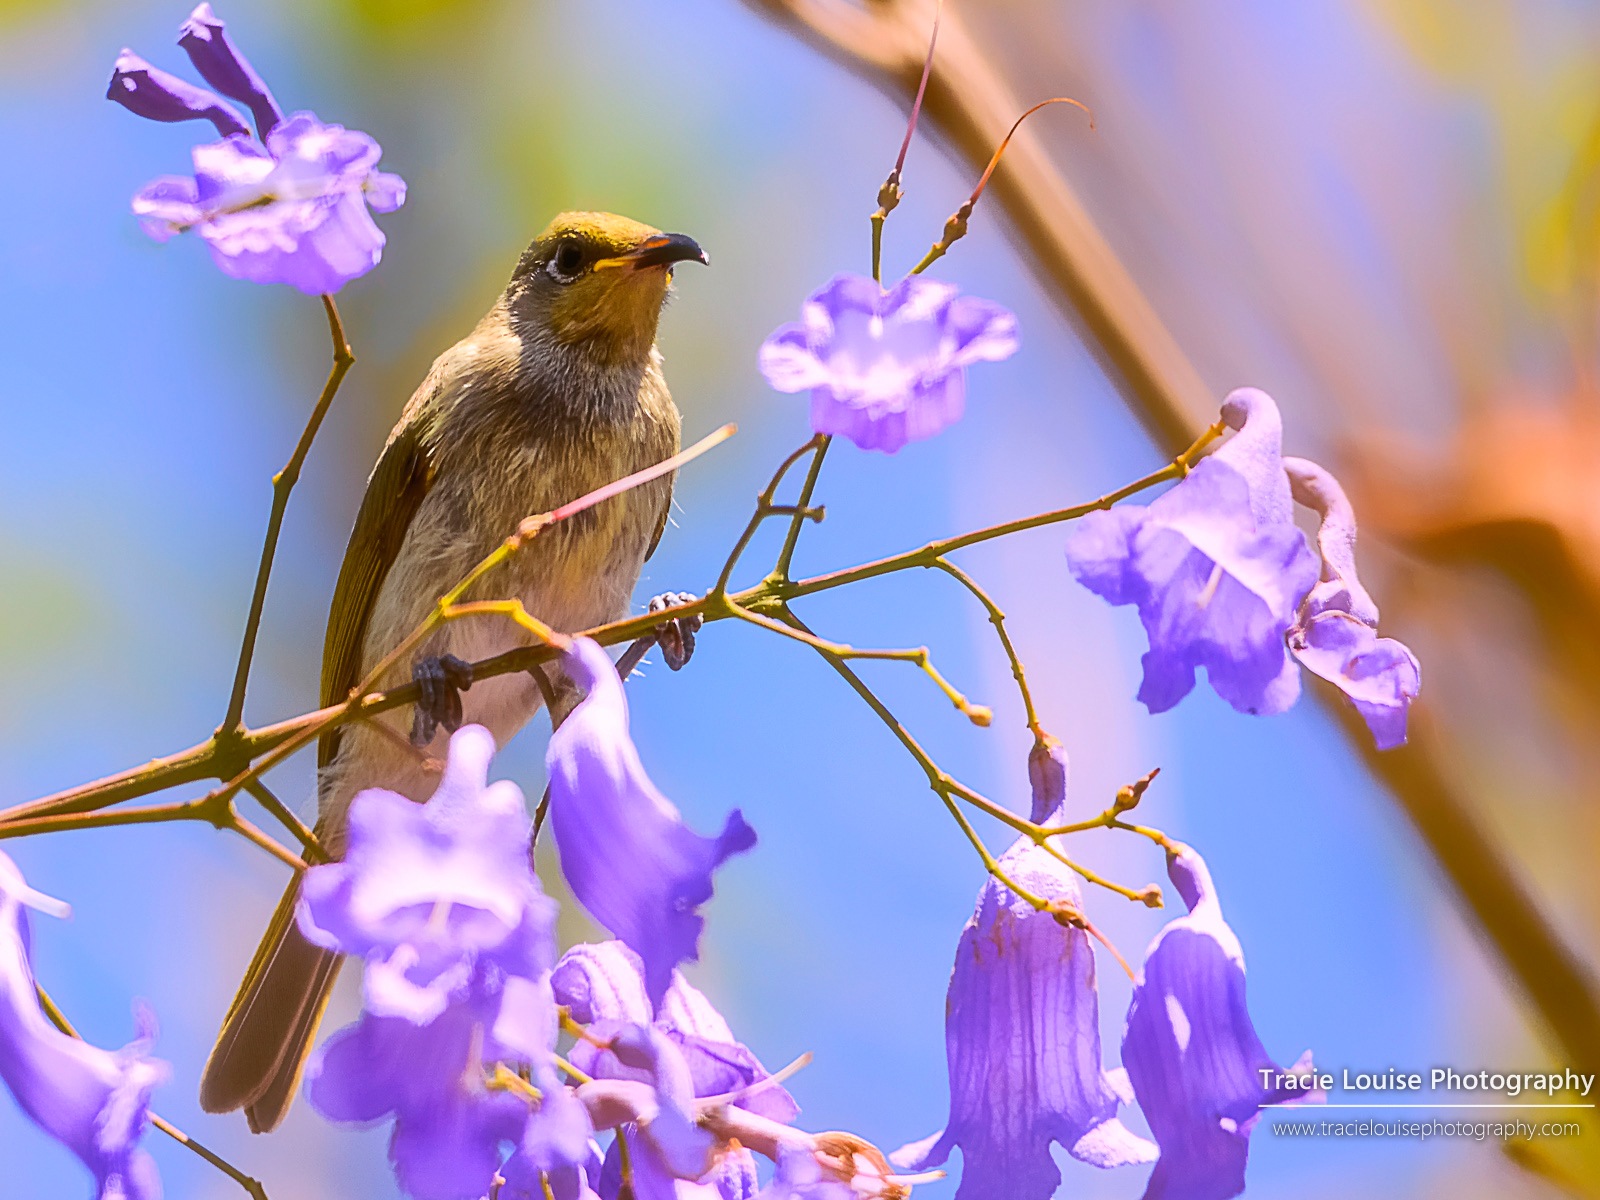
(597, 281)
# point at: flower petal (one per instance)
(624, 849)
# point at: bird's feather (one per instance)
(394, 493)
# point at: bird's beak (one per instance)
(658, 250)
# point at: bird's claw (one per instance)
(442, 680)
(676, 637)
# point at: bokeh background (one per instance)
(1380, 211)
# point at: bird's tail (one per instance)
(267, 1033)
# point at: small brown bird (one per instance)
(557, 391)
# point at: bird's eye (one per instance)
(566, 262)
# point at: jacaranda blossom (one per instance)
(655, 1110)
(1336, 632)
(1022, 1033)
(1191, 1049)
(94, 1102)
(1215, 566)
(625, 851)
(602, 986)
(441, 902)
(289, 206)
(886, 368)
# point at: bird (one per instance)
(557, 391)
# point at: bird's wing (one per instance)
(399, 482)
(661, 525)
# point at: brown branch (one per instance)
(971, 105)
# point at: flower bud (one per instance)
(205, 40)
(151, 93)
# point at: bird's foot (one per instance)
(676, 637)
(442, 681)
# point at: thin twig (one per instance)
(252, 1186)
(282, 484)
(268, 800)
(978, 714)
(998, 620)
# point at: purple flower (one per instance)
(886, 368)
(1335, 635)
(426, 890)
(656, 1112)
(1215, 566)
(430, 1079)
(441, 901)
(625, 851)
(557, 1143)
(602, 985)
(1022, 1032)
(94, 1102)
(291, 205)
(1191, 1050)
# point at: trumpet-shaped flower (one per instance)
(602, 985)
(1022, 1032)
(625, 851)
(289, 206)
(1336, 633)
(441, 902)
(1191, 1049)
(1215, 566)
(886, 368)
(94, 1102)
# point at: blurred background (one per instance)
(1381, 212)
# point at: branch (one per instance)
(969, 102)
(282, 484)
(232, 761)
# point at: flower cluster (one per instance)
(94, 1102)
(1223, 579)
(287, 206)
(462, 990)
(1023, 1039)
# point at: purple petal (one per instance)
(1256, 453)
(1023, 1041)
(150, 92)
(1213, 588)
(983, 330)
(166, 207)
(1100, 553)
(1191, 1050)
(557, 1141)
(603, 986)
(449, 873)
(94, 1102)
(788, 363)
(206, 42)
(1335, 635)
(1336, 541)
(624, 850)
(1380, 675)
(886, 368)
